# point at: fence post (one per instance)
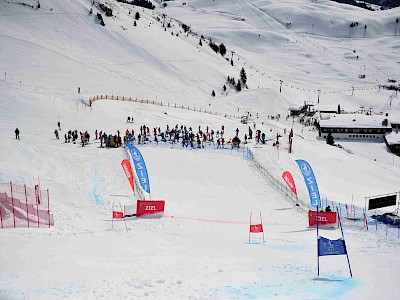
(12, 201)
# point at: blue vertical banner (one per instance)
(311, 183)
(140, 167)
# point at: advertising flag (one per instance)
(331, 247)
(256, 228)
(118, 214)
(140, 167)
(289, 181)
(128, 172)
(311, 182)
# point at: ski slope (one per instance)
(200, 249)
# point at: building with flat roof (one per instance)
(355, 126)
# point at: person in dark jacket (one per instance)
(17, 134)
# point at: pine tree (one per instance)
(213, 93)
(137, 16)
(200, 43)
(134, 23)
(224, 87)
(329, 139)
(238, 86)
(222, 49)
(243, 76)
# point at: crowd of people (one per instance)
(185, 135)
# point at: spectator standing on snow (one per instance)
(17, 134)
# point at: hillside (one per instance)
(292, 51)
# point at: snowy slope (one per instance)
(200, 249)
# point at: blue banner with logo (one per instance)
(311, 183)
(140, 167)
(331, 247)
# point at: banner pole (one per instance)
(26, 203)
(344, 244)
(12, 200)
(317, 241)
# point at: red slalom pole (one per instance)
(250, 225)
(12, 199)
(126, 227)
(262, 226)
(112, 217)
(27, 209)
(48, 205)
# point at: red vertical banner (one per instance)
(126, 166)
(289, 181)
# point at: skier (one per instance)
(59, 125)
(56, 134)
(128, 120)
(17, 134)
(65, 137)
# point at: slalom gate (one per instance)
(21, 206)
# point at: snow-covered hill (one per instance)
(203, 251)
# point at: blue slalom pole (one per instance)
(344, 244)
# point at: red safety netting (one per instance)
(24, 207)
